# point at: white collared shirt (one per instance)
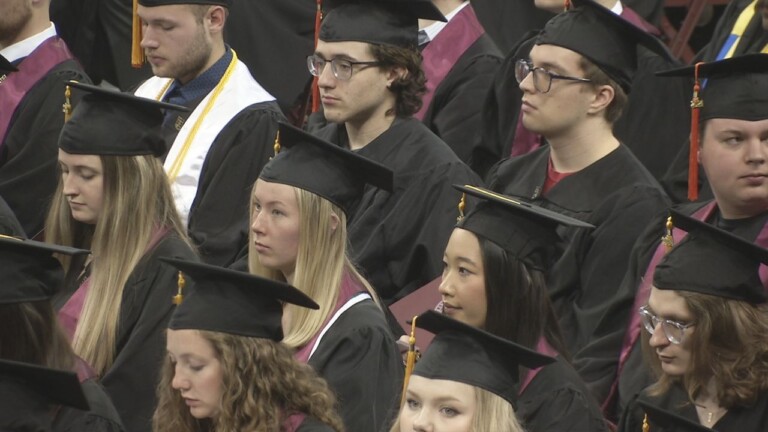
(433, 29)
(25, 47)
(618, 8)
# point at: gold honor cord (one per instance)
(176, 166)
(410, 359)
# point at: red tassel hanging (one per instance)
(693, 157)
(315, 88)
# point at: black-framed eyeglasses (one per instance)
(673, 330)
(342, 68)
(542, 78)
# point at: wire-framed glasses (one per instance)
(673, 330)
(342, 68)
(542, 78)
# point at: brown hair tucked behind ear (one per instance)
(411, 87)
(599, 78)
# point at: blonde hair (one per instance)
(320, 265)
(118, 241)
(263, 385)
(493, 414)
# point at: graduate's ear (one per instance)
(604, 95)
(215, 19)
(395, 73)
(334, 221)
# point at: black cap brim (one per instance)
(60, 387)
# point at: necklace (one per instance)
(712, 415)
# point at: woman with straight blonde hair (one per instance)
(299, 235)
(114, 199)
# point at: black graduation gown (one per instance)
(399, 238)
(455, 112)
(140, 345)
(737, 419)
(313, 425)
(507, 21)
(616, 195)
(9, 225)
(359, 359)
(102, 417)
(557, 400)
(219, 217)
(273, 38)
(752, 41)
(29, 155)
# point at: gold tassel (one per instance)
(67, 107)
(137, 53)
(410, 359)
(277, 143)
(179, 297)
(462, 205)
(667, 239)
(646, 426)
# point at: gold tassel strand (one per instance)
(179, 297)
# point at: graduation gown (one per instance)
(454, 113)
(399, 238)
(737, 419)
(9, 225)
(29, 154)
(312, 425)
(616, 195)
(359, 359)
(102, 417)
(234, 142)
(508, 21)
(140, 344)
(557, 400)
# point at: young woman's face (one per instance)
(275, 226)
(675, 358)
(463, 283)
(83, 185)
(198, 374)
(438, 406)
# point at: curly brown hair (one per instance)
(263, 385)
(409, 88)
(729, 345)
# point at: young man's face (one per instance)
(175, 41)
(364, 96)
(734, 154)
(556, 111)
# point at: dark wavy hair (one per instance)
(514, 289)
(729, 344)
(409, 88)
(263, 385)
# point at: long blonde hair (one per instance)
(493, 414)
(263, 384)
(118, 241)
(320, 265)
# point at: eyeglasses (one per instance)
(673, 330)
(342, 68)
(542, 78)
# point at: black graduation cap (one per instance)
(712, 261)
(525, 230)
(602, 36)
(6, 66)
(234, 302)
(669, 421)
(58, 386)
(463, 353)
(151, 3)
(29, 270)
(336, 174)
(737, 88)
(381, 22)
(107, 122)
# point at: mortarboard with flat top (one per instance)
(712, 261)
(108, 122)
(736, 88)
(463, 353)
(29, 270)
(234, 302)
(336, 174)
(526, 230)
(603, 37)
(669, 421)
(56, 386)
(380, 22)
